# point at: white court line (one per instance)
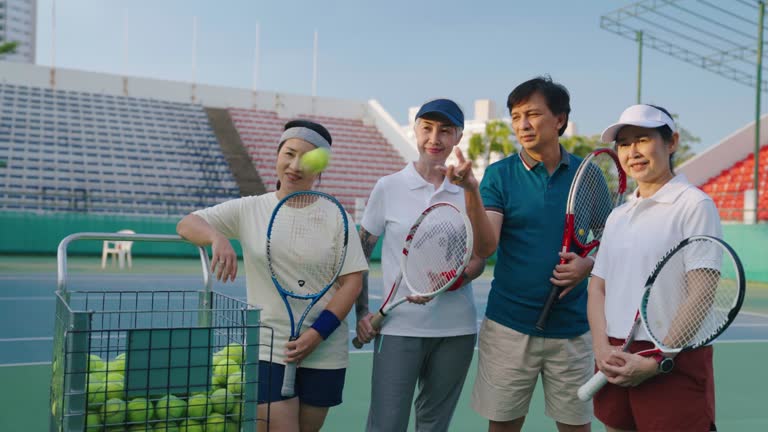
(92, 276)
(24, 364)
(762, 315)
(38, 298)
(730, 341)
(27, 339)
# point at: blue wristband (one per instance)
(326, 323)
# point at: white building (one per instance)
(18, 23)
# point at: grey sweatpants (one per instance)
(439, 365)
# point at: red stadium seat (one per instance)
(361, 155)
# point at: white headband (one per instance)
(307, 135)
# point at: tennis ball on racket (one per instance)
(223, 401)
(93, 422)
(170, 407)
(113, 411)
(316, 160)
(215, 423)
(140, 410)
(190, 425)
(199, 406)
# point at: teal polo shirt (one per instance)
(532, 203)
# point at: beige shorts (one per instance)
(509, 364)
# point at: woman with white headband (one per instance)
(322, 353)
(647, 393)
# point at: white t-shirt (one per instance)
(396, 202)
(246, 219)
(637, 234)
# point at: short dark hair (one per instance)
(666, 135)
(557, 96)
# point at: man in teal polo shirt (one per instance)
(518, 211)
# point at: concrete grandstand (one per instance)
(75, 141)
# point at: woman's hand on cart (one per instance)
(224, 258)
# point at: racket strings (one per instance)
(306, 245)
(596, 195)
(437, 251)
(691, 301)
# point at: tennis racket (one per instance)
(307, 241)
(597, 188)
(437, 249)
(690, 298)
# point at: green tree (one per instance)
(494, 140)
(685, 146)
(580, 145)
(8, 47)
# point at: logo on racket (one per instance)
(301, 283)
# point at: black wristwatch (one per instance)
(665, 364)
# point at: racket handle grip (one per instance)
(289, 379)
(376, 322)
(588, 390)
(541, 323)
(356, 343)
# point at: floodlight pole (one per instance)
(639, 38)
(758, 86)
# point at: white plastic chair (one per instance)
(117, 249)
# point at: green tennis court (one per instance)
(27, 284)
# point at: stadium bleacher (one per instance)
(727, 188)
(98, 153)
(360, 154)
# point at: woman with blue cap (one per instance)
(429, 345)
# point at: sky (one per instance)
(401, 53)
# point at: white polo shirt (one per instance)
(395, 203)
(246, 219)
(637, 234)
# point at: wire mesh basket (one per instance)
(154, 360)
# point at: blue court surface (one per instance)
(27, 321)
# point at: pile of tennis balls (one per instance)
(218, 410)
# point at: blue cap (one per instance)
(444, 108)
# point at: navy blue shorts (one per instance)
(316, 387)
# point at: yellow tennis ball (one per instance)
(316, 160)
